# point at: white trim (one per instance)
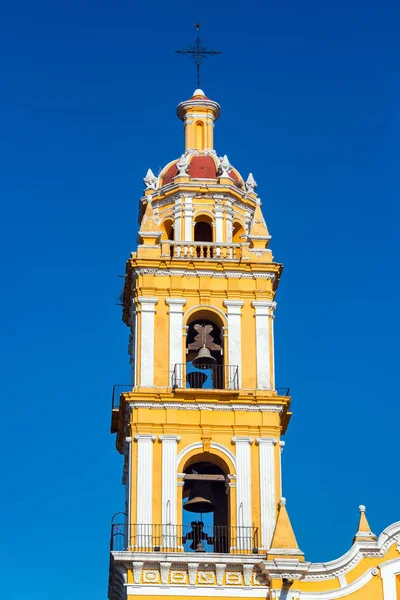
(359, 550)
(267, 489)
(188, 218)
(226, 407)
(235, 334)
(168, 489)
(243, 487)
(199, 445)
(144, 482)
(182, 272)
(202, 307)
(175, 331)
(219, 217)
(389, 570)
(203, 591)
(343, 591)
(147, 311)
(263, 315)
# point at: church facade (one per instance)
(200, 427)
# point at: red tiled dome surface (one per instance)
(168, 176)
(200, 167)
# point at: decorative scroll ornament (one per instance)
(224, 167)
(150, 181)
(251, 183)
(183, 165)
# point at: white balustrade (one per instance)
(205, 250)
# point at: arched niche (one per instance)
(167, 230)
(204, 368)
(237, 232)
(203, 229)
(206, 504)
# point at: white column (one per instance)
(127, 477)
(267, 490)
(219, 220)
(188, 219)
(264, 342)
(175, 332)
(178, 219)
(147, 340)
(243, 491)
(229, 220)
(144, 488)
(169, 489)
(281, 447)
(234, 337)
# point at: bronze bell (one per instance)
(204, 359)
(200, 498)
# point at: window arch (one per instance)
(167, 230)
(203, 229)
(237, 233)
(206, 504)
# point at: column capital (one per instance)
(242, 439)
(234, 306)
(176, 304)
(149, 437)
(264, 308)
(147, 303)
(265, 441)
(169, 437)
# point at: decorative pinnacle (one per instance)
(282, 502)
(251, 183)
(150, 180)
(224, 166)
(198, 52)
(362, 508)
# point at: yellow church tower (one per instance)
(201, 425)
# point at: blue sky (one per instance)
(309, 94)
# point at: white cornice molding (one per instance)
(156, 405)
(358, 551)
(205, 273)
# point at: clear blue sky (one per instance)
(88, 90)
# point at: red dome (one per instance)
(200, 167)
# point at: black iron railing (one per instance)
(184, 538)
(215, 377)
(118, 389)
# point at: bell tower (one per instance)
(200, 425)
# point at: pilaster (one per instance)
(264, 313)
(147, 340)
(267, 489)
(243, 490)
(234, 308)
(175, 331)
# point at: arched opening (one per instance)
(237, 233)
(204, 353)
(203, 231)
(168, 230)
(199, 135)
(205, 506)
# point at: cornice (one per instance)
(226, 274)
(207, 406)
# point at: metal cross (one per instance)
(198, 52)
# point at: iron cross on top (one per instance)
(198, 52)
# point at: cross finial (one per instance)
(198, 52)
